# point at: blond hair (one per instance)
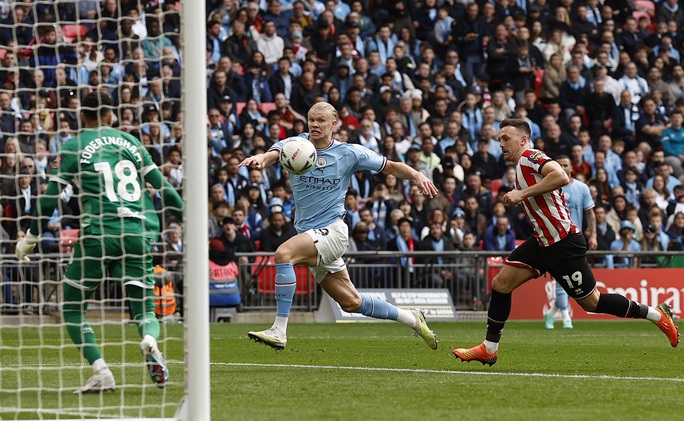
(324, 107)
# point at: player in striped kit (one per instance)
(557, 247)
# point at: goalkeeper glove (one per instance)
(25, 246)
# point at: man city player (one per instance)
(322, 234)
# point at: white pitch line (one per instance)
(473, 373)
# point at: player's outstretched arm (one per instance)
(170, 196)
(41, 216)
(403, 171)
(261, 161)
(554, 178)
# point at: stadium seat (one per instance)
(74, 32)
(67, 239)
(267, 107)
(538, 80)
(494, 187)
(3, 52)
(264, 269)
(519, 242)
(239, 106)
(645, 6)
(494, 265)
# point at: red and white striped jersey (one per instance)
(548, 212)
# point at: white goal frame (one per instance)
(196, 406)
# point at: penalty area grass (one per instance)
(373, 371)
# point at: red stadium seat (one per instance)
(67, 239)
(74, 32)
(645, 6)
(267, 107)
(264, 269)
(239, 106)
(494, 265)
(494, 187)
(3, 52)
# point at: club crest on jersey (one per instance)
(321, 162)
(536, 156)
(56, 163)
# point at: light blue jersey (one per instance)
(319, 193)
(578, 198)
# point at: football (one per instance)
(298, 156)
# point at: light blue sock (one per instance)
(561, 298)
(376, 307)
(285, 286)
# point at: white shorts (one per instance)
(331, 243)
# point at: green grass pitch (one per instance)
(376, 371)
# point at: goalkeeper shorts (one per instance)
(126, 258)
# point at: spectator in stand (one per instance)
(574, 93)
(635, 84)
(51, 52)
(232, 240)
(154, 44)
(650, 127)
(672, 141)
(664, 170)
(476, 221)
(625, 242)
(470, 36)
(600, 109)
(499, 237)
(239, 46)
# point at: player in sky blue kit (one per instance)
(580, 204)
(322, 233)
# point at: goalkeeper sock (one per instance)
(99, 365)
(285, 286)
(80, 332)
(142, 310)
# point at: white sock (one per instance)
(491, 346)
(406, 317)
(653, 315)
(99, 365)
(566, 315)
(552, 310)
(281, 323)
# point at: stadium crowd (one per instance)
(426, 83)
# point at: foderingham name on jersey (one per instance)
(95, 144)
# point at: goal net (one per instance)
(108, 266)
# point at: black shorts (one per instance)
(565, 260)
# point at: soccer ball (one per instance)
(298, 156)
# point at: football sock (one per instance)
(619, 306)
(653, 315)
(566, 315)
(142, 310)
(373, 306)
(285, 286)
(80, 332)
(552, 311)
(99, 365)
(491, 346)
(499, 310)
(561, 300)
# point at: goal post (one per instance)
(150, 58)
(196, 221)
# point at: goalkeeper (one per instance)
(118, 223)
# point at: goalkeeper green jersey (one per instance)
(109, 167)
